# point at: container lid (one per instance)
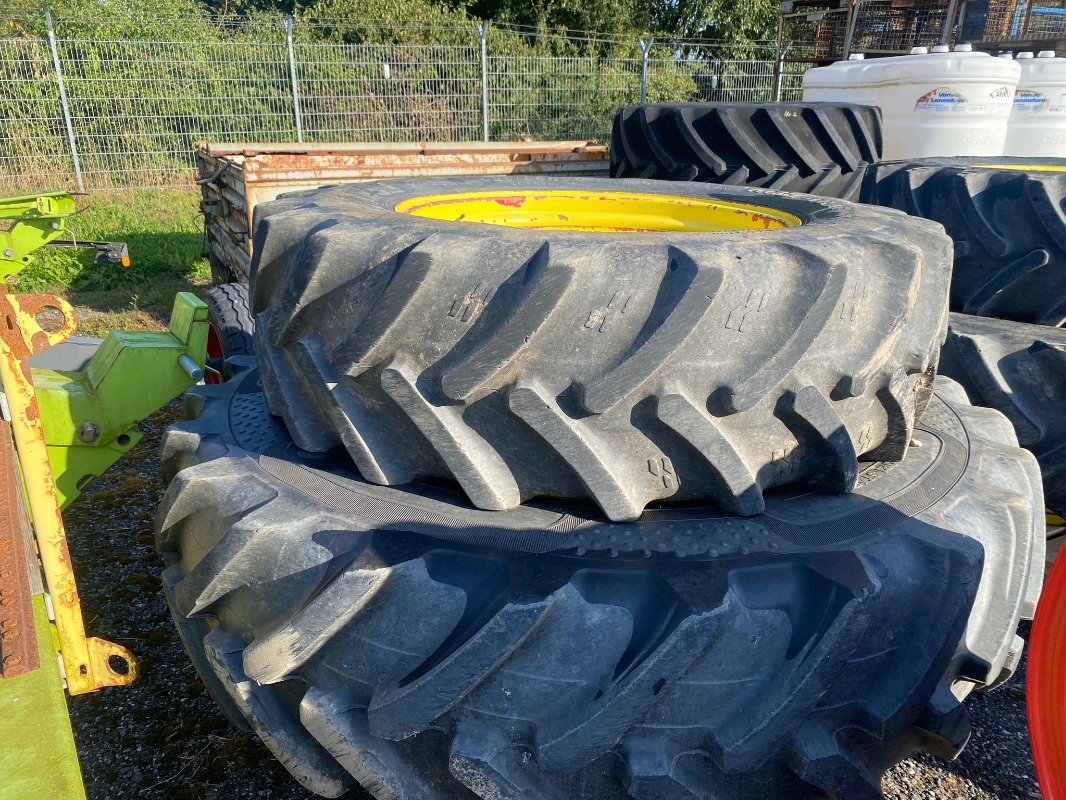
(1025, 54)
(1046, 54)
(1008, 56)
(857, 57)
(941, 48)
(919, 51)
(924, 69)
(963, 47)
(1043, 71)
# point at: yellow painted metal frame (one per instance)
(598, 211)
(39, 759)
(88, 662)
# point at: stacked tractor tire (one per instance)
(619, 488)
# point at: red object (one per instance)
(214, 353)
(1046, 685)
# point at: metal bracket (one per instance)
(89, 663)
(106, 252)
(89, 414)
(38, 220)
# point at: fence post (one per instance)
(483, 34)
(645, 48)
(63, 100)
(292, 76)
(779, 67)
(849, 32)
(949, 17)
(775, 92)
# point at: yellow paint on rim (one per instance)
(1026, 167)
(597, 211)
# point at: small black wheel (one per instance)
(231, 328)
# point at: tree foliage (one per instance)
(717, 20)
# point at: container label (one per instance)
(942, 99)
(1028, 102)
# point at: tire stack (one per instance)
(644, 490)
(818, 148)
(1006, 343)
(1006, 346)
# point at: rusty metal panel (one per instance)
(236, 177)
(88, 661)
(18, 640)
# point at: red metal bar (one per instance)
(1046, 685)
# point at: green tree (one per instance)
(718, 20)
(611, 18)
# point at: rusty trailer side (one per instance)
(236, 177)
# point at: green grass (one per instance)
(164, 231)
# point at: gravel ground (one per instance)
(164, 737)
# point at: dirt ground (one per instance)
(164, 737)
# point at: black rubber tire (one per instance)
(232, 325)
(1019, 370)
(433, 651)
(624, 367)
(1008, 224)
(819, 148)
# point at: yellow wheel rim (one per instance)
(597, 211)
(1026, 167)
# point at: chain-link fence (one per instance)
(121, 105)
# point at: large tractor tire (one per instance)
(432, 651)
(1019, 370)
(1008, 221)
(230, 329)
(628, 341)
(818, 148)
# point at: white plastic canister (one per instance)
(1038, 121)
(932, 104)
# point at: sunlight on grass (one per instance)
(164, 231)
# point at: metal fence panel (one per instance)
(138, 97)
(389, 93)
(137, 106)
(815, 36)
(558, 97)
(33, 139)
(883, 27)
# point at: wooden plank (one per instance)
(392, 148)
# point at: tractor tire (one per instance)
(1019, 370)
(626, 367)
(231, 327)
(817, 148)
(432, 651)
(1008, 221)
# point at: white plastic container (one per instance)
(932, 104)
(1038, 121)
